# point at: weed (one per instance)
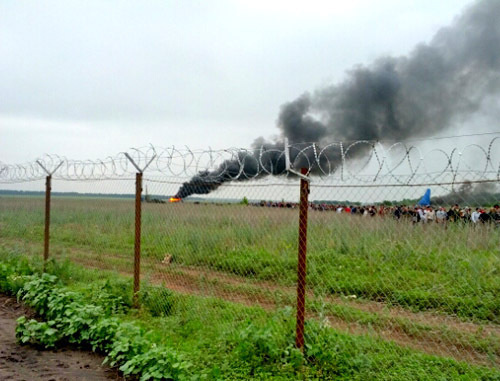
(158, 300)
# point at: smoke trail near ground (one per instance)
(471, 194)
(395, 98)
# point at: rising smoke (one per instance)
(471, 194)
(395, 98)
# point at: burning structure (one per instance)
(450, 78)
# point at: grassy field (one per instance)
(424, 287)
(217, 340)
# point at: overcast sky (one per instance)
(87, 79)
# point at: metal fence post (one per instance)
(138, 215)
(137, 241)
(301, 268)
(48, 188)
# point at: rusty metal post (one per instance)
(48, 188)
(137, 242)
(301, 268)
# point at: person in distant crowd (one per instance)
(340, 209)
(496, 215)
(398, 212)
(484, 217)
(454, 213)
(474, 217)
(372, 211)
(415, 217)
(466, 215)
(430, 214)
(441, 215)
(405, 212)
(421, 214)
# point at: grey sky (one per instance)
(87, 79)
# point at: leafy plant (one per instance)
(115, 296)
(34, 332)
(70, 319)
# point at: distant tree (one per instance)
(244, 201)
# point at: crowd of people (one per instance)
(416, 214)
(429, 214)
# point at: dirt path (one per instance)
(428, 332)
(26, 363)
(432, 339)
(203, 281)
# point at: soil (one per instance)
(24, 362)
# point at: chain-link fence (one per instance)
(388, 241)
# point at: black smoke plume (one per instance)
(395, 98)
(471, 194)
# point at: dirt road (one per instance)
(29, 364)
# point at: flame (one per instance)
(175, 199)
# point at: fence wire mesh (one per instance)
(221, 235)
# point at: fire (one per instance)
(175, 199)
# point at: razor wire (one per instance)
(361, 162)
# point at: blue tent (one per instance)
(426, 199)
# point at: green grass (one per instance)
(455, 271)
(229, 341)
(249, 254)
